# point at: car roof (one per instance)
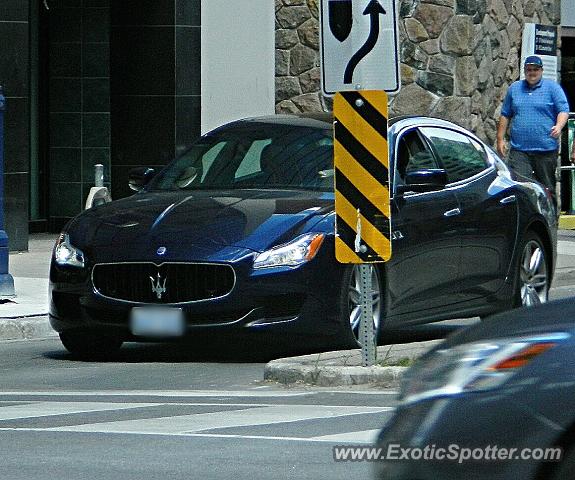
(324, 120)
(314, 120)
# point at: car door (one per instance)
(423, 269)
(489, 211)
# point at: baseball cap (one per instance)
(534, 60)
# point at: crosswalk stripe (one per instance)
(257, 392)
(364, 436)
(355, 438)
(183, 424)
(207, 424)
(159, 393)
(46, 409)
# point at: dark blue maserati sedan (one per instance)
(236, 236)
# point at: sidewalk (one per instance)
(25, 317)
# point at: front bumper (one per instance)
(300, 302)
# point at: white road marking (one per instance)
(192, 425)
(158, 393)
(364, 436)
(184, 424)
(353, 438)
(47, 409)
(565, 247)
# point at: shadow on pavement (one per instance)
(233, 350)
(240, 349)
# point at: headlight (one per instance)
(66, 254)
(292, 254)
(473, 367)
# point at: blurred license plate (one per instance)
(157, 322)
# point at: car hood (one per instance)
(246, 219)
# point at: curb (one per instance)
(27, 328)
(330, 376)
(342, 368)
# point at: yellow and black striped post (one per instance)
(363, 217)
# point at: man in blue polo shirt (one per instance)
(538, 111)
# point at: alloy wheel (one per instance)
(354, 300)
(533, 274)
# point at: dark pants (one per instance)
(540, 166)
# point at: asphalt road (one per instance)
(182, 412)
(154, 413)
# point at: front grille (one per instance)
(163, 284)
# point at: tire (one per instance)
(532, 273)
(350, 302)
(90, 344)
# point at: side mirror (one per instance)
(424, 180)
(139, 177)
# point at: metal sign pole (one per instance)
(367, 333)
(362, 203)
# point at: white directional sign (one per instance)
(359, 46)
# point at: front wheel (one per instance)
(91, 344)
(532, 274)
(350, 301)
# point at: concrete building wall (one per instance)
(568, 13)
(237, 60)
(458, 57)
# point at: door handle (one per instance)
(452, 213)
(509, 199)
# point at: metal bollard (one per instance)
(98, 175)
(6, 280)
(98, 194)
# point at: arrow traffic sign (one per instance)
(359, 46)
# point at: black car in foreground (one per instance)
(237, 236)
(494, 401)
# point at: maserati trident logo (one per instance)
(157, 287)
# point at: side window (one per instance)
(462, 157)
(412, 154)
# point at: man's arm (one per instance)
(562, 106)
(501, 130)
(561, 122)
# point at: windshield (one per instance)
(262, 156)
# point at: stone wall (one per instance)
(297, 57)
(458, 57)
